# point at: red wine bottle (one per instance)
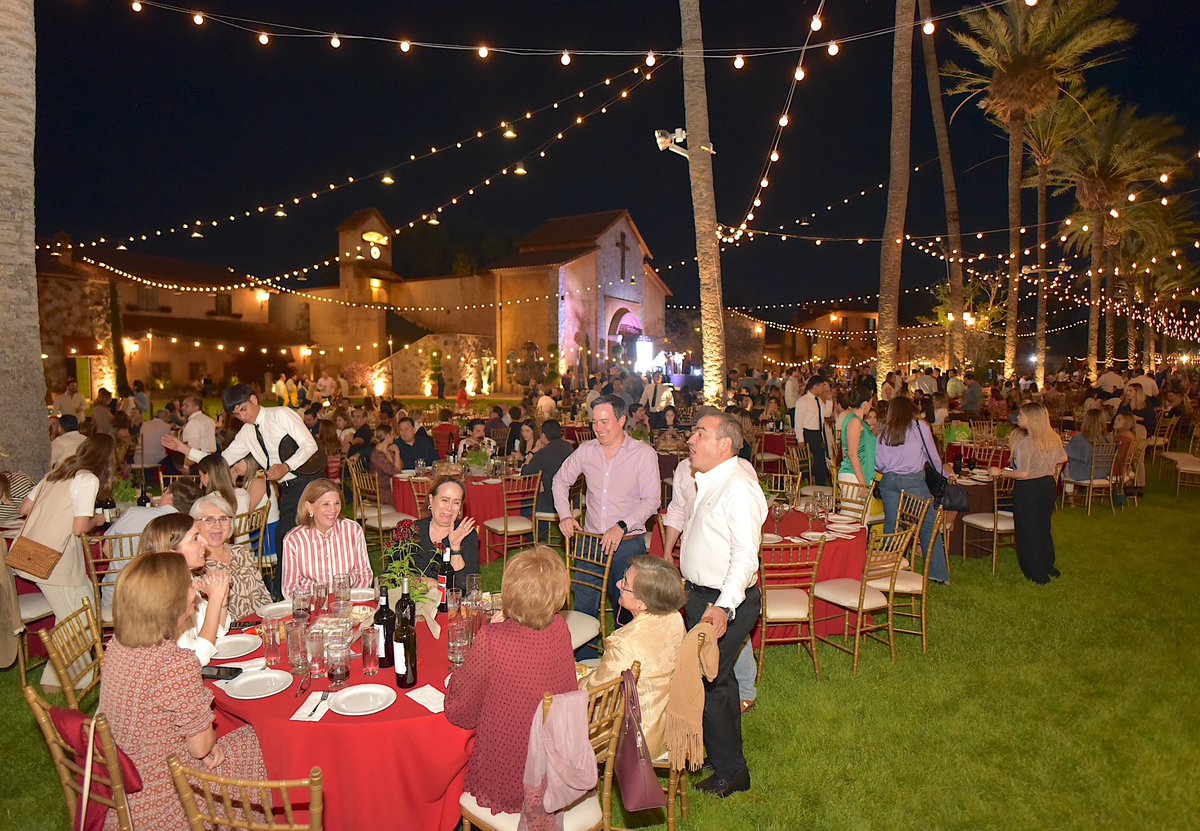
(406, 654)
(385, 625)
(406, 608)
(445, 578)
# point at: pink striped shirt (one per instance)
(312, 557)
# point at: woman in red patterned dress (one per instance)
(151, 692)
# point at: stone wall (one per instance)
(70, 305)
(462, 358)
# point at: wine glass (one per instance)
(778, 509)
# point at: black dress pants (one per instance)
(722, 703)
(1033, 508)
(815, 439)
(289, 502)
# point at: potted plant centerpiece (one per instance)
(477, 461)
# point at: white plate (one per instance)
(771, 539)
(284, 606)
(408, 472)
(817, 536)
(261, 684)
(843, 515)
(362, 700)
(844, 527)
(362, 595)
(489, 481)
(402, 475)
(235, 646)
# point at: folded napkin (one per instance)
(303, 711)
(429, 697)
(253, 665)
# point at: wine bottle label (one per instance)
(401, 660)
(379, 640)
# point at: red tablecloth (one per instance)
(840, 558)
(403, 767)
(483, 501)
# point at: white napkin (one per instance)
(429, 697)
(254, 665)
(302, 712)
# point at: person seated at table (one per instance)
(639, 420)
(216, 477)
(179, 533)
(247, 591)
(476, 439)
(446, 425)
(385, 461)
(523, 440)
(414, 444)
(1079, 448)
(524, 653)
(496, 426)
(549, 453)
(153, 696)
(652, 591)
(262, 492)
(324, 543)
(443, 528)
(328, 441)
(1138, 405)
(14, 487)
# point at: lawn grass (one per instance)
(1069, 706)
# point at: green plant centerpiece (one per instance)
(399, 562)
(477, 460)
(123, 490)
(641, 433)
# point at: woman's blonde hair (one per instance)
(535, 587)
(220, 479)
(315, 490)
(658, 585)
(1041, 433)
(1095, 426)
(163, 533)
(151, 599)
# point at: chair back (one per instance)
(104, 558)
(853, 498)
(74, 649)
(982, 429)
(784, 486)
(69, 764)
(582, 435)
(250, 528)
(354, 464)
(911, 515)
(214, 801)
(1104, 460)
(445, 440)
(884, 554)
(587, 564)
(1002, 494)
(788, 565)
(420, 491)
(521, 493)
(797, 460)
(169, 478)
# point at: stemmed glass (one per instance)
(778, 509)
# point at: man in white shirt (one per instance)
(70, 402)
(656, 397)
(810, 426)
(326, 386)
(1110, 381)
(65, 445)
(1147, 383)
(150, 451)
(719, 561)
(199, 431)
(791, 389)
(925, 381)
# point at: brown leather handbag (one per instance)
(30, 556)
(640, 788)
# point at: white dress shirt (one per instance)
(791, 392)
(657, 397)
(200, 433)
(683, 492)
(720, 542)
(275, 423)
(809, 412)
(65, 446)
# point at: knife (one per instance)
(303, 688)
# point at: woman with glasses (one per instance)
(247, 591)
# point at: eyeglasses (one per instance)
(213, 521)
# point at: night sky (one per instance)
(147, 120)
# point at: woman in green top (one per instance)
(858, 442)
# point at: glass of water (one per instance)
(458, 640)
(296, 647)
(314, 643)
(341, 587)
(320, 599)
(370, 651)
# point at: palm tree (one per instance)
(22, 384)
(949, 190)
(704, 202)
(1046, 134)
(897, 202)
(1026, 57)
(1116, 152)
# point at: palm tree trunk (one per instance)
(1016, 151)
(1043, 209)
(1110, 316)
(704, 202)
(1094, 293)
(1131, 334)
(22, 383)
(1148, 330)
(897, 203)
(949, 188)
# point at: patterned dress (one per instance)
(154, 700)
(247, 592)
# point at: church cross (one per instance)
(621, 245)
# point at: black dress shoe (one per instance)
(1054, 572)
(725, 787)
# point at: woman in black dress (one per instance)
(442, 529)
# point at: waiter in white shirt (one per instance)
(656, 397)
(281, 444)
(719, 560)
(791, 390)
(810, 426)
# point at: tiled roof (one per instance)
(236, 332)
(533, 259)
(570, 231)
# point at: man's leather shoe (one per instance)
(725, 787)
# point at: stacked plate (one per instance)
(261, 684)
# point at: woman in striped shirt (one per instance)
(323, 543)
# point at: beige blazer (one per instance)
(50, 523)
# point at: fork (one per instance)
(323, 699)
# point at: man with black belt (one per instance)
(719, 560)
(810, 426)
(283, 447)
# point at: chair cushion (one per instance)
(907, 582)
(1095, 483)
(106, 617)
(988, 522)
(583, 627)
(1156, 441)
(813, 490)
(1190, 466)
(551, 516)
(389, 520)
(767, 457)
(516, 525)
(844, 592)
(1175, 456)
(34, 606)
(584, 814)
(786, 604)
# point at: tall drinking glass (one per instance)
(454, 602)
(296, 647)
(370, 651)
(320, 599)
(273, 641)
(338, 657)
(341, 587)
(475, 587)
(314, 642)
(457, 640)
(302, 605)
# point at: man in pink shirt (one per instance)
(622, 494)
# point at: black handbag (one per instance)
(935, 480)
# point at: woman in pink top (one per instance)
(520, 656)
(323, 543)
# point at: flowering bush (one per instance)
(359, 374)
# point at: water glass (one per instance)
(340, 608)
(320, 598)
(458, 640)
(338, 658)
(420, 467)
(273, 641)
(301, 604)
(314, 642)
(341, 587)
(454, 602)
(296, 647)
(475, 587)
(370, 651)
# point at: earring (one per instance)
(311, 515)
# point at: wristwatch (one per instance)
(621, 524)
(729, 613)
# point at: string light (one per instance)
(833, 48)
(739, 62)
(136, 6)
(927, 27)
(483, 52)
(565, 60)
(197, 18)
(264, 38)
(335, 42)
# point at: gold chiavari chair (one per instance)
(787, 573)
(606, 712)
(857, 597)
(167, 479)
(1187, 464)
(69, 763)
(76, 651)
(369, 510)
(1160, 441)
(853, 498)
(1102, 478)
(104, 558)
(761, 457)
(223, 801)
(515, 527)
(998, 524)
(420, 491)
(910, 589)
(784, 486)
(250, 529)
(588, 569)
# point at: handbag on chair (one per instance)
(640, 788)
(30, 556)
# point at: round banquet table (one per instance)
(840, 558)
(403, 767)
(484, 498)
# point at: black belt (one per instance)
(693, 587)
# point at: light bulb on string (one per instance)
(198, 19)
(335, 41)
(927, 27)
(405, 46)
(388, 179)
(774, 155)
(520, 169)
(815, 23)
(483, 51)
(565, 60)
(650, 59)
(799, 73)
(783, 120)
(264, 38)
(833, 48)
(136, 6)
(739, 62)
